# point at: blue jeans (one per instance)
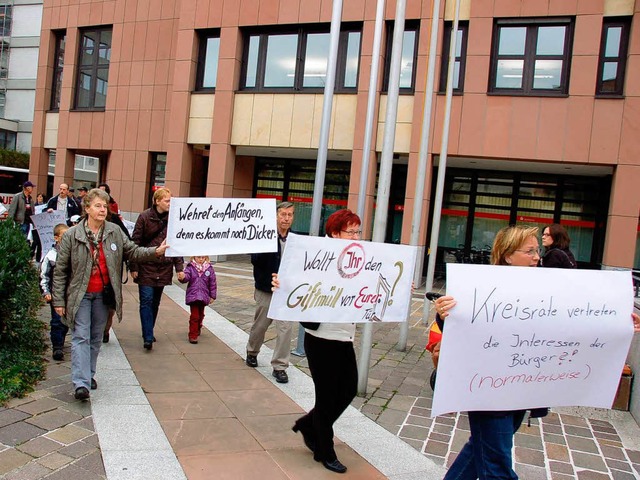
(149, 304)
(58, 330)
(487, 454)
(86, 338)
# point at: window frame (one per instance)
(94, 68)
(444, 61)
(529, 57)
(56, 80)
(409, 25)
(203, 37)
(625, 24)
(302, 33)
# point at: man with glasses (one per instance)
(264, 265)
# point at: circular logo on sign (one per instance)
(351, 260)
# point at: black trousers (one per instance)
(335, 376)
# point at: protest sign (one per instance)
(521, 338)
(44, 223)
(343, 281)
(39, 208)
(219, 226)
(2, 209)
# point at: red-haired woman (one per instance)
(332, 362)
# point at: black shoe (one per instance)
(280, 376)
(148, 345)
(306, 436)
(94, 384)
(82, 393)
(334, 466)
(252, 360)
(58, 354)
(105, 337)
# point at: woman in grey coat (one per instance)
(87, 282)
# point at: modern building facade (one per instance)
(224, 98)
(19, 44)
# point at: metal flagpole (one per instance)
(442, 164)
(422, 158)
(384, 178)
(323, 143)
(371, 103)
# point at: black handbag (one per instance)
(108, 294)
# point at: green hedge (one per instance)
(22, 334)
(11, 158)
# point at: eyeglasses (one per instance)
(352, 233)
(546, 234)
(532, 252)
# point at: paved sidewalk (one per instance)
(196, 411)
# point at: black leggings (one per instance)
(335, 376)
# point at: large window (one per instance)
(297, 59)
(531, 57)
(409, 56)
(614, 45)
(5, 20)
(460, 59)
(4, 59)
(56, 87)
(93, 69)
(293, 180)
(477, 203)
(7, 139)
(208, 60)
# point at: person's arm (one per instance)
(636, 322)
(178, 264)
(61, 274)
(443, 305)
(186, 275)
(13, 207)
(44, 277)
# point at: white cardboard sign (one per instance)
(44, 223)
(522, 338)
(343, 281)
(219, 226)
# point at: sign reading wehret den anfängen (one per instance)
(521, 338)
(219, 226)
(343, 281)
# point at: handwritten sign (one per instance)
(343, 281)
(45, 223)
(521, 338)
(219, 226)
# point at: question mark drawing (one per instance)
(400, 266)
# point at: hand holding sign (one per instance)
(560, 341)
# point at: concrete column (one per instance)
(622, 223)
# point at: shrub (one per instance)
(22, 340)
(11, 158)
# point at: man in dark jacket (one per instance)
(150, 231)
(264, 265)
(65, 202)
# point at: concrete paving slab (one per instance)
(128, 427)
(144, 465)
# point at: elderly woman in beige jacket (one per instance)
(87, 283)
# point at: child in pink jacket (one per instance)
(201, 291)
